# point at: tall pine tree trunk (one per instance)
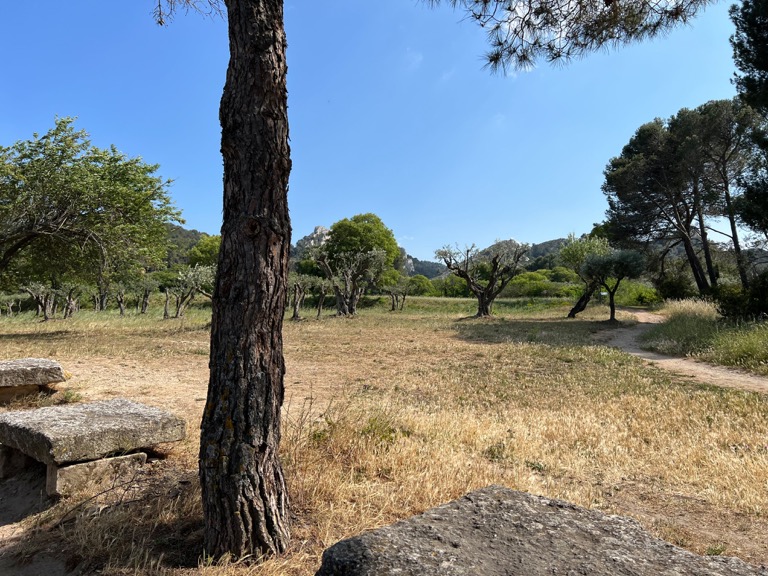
(245, 502)
(740, 260)
(698, 272)
(704, 236)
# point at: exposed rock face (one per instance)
(30, 371)
(79, 432)
(500, 532)
(318, 237)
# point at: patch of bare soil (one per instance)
(627, 338)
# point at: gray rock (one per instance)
(496, 531)
(103, 473)
(30, 371)
(79, 432)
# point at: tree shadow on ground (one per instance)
(35, 336)
(553, 332)
(23, 495)
(151, 522)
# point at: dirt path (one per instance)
(626, 338)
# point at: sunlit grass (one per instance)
(389, 414)
(693, 328)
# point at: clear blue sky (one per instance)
(391, 111)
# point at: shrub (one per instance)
(736, 303)
(675, 287)
(636, 294)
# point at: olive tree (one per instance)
(573, 255)
(358, 250)
(486, 272)
(608, 270)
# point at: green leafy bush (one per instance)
(636, 294)
(736, 303)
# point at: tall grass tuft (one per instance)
(694, 328)
(689, 330)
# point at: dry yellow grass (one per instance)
(390, 414)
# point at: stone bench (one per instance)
(27, 376)
(81, 442)
(496, 531)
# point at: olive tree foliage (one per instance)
(608, 270)
(72, 212)
(245, 502)
(307, 284)
(398, 286)
(573, 255)
(357, 252)
(189, 282)
(487, 272)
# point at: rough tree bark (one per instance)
(699, 275)
(320, 301)
(145, 300)
(298, 300)
(245, 502)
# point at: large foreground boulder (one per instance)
(496, 531)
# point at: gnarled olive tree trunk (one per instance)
(244, 495)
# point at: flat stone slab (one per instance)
(30, 372)
(104, 472)
(496, 531)
(79, 432)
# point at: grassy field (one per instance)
(392, 413)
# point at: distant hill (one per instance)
(181, 240)
(546, 248)
(427, 268)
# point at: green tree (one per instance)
(608, 270)
(750, 51)
(205, 252)
(654, 191)
(486, 273)
(752, 207)
(71, 211)
(360, 234)
(451, 286)
(244, 497)
(676, 175)
(357, 252)
(729, 132)
(420, 285)
(572, 255)
(188, 283)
